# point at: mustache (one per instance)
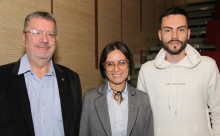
(175, 41)
(43, 45)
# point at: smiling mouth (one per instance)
(43, 48)
(116, 75)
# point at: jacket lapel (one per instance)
(64, 99)
(133, 108)
(101, 106)
(19, 85)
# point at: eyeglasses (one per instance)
(109, 66)
(38, 34)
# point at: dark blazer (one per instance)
(15, 112)
(95, 119)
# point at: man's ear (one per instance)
(189, 32)
(23, 39)
(159, 34)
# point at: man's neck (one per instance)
(40, 68)
(175, 58)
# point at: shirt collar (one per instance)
(25, 66)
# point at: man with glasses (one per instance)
(37, 96)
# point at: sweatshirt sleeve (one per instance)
(214, 101)
(141, 83)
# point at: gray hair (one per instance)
(39, 14)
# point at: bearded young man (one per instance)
(184, 87)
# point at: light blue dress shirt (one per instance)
(118, 113)
(44, 100)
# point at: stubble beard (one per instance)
(174, 51)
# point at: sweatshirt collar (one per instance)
(191, 59)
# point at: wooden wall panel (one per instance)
(75, 45)
(147, 16)
(109, 22)
(135, 38)
(177, 3)
(180, 3)
(132, 35)
(160, 4)
(196, 1)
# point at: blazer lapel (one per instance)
(64, 100)
(19, 85)
(101, 106)
(133, 108)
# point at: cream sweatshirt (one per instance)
(185, 96)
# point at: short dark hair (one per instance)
(174, 11)
(111, 47)
(39, 14)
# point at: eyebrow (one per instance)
(172, 27)
(117, 61)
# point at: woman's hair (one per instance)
(111, 47)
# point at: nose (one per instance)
(175, 34)
(44, 38)
(116, 68)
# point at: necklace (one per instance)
(118, 95)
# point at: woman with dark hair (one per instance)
(116, 108)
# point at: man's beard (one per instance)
(175, 51)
